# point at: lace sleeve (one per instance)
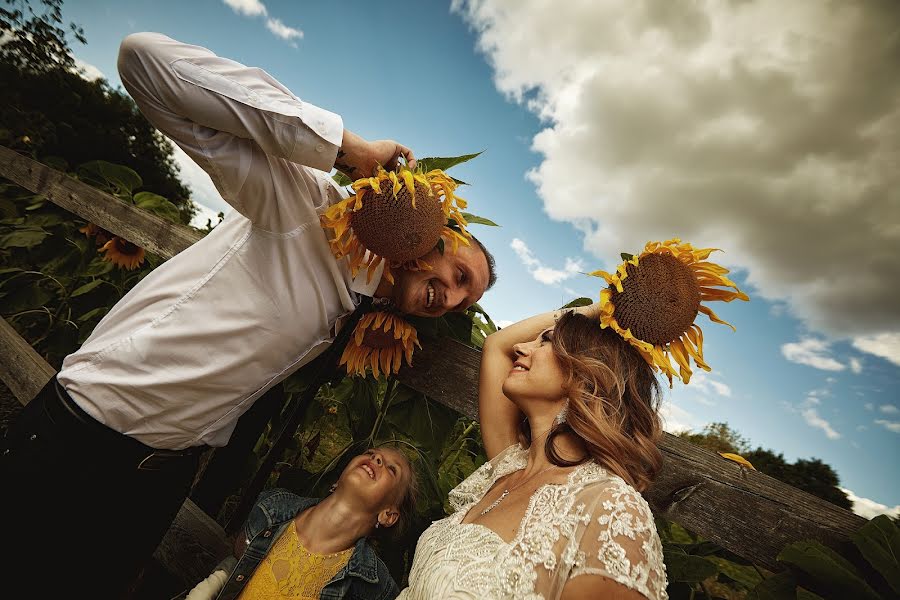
(620, 541)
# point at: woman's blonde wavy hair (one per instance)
(613, 401)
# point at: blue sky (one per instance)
(608, 125)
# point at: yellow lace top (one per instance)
(291, 571)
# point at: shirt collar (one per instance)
(358, 284)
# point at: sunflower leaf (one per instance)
(470, 218)
(440, 246)
(87, 287)
(444, 162)
(342, 179)
(828, 567)
(578, 302)
(626, 256)
(879, 542)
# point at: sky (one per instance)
(770, 130)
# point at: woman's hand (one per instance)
(358, 158)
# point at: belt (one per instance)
(64, 411)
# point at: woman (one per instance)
(568, 411)
(293, 547)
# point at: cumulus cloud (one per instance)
(813, 419)
(885, 345)
(707, 384)
(769, 129)
(87, 70)
(674, 418)
(855, 365)
(812, 352)
(281, 30)
(889, 425)
(255, 8)
(248, 8)
(889, 409)
(870, 509)
(539, 270)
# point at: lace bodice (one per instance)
(594, 523)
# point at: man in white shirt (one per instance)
(185, 353)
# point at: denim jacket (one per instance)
(364, 577)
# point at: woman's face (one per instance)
(379, 475)
(536, 373)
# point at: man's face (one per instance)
(456, 282)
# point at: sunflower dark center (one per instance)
(379, 338)
(659, 300)
(392, 228)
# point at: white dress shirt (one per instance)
(193, 345)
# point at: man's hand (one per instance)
(359, 158)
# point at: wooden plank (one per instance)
(151, 232)
(22, 369)
(745, 512)
(193, 545)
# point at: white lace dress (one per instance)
(595, 523)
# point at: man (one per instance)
(102, 459)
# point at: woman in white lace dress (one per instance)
(569, 422)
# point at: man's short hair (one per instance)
(491, 263)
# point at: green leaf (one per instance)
(92, 313)
(746, 577)
(157, 205)
(626, 256)
(777, 587)
(688, 568)
(56, 162)
(440, 246)
(444, 162)
(98, 267)
(826, 566)
(25, 237)
(11, 270)
(7, 209)
(87, 287)
(342, 179)
(470, 218)
(879, 542)
(578, 302)
(117, 179)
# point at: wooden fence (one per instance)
(742, 510)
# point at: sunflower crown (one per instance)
(380, 342)
(397, 217)
(653, 299)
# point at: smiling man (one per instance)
(189, 349)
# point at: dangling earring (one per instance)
(333, 487)
(561, 416)
(377, 523)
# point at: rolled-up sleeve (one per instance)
(238, 123)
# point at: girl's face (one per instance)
(379, 475)
(536, 373)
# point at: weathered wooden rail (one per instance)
(744, 511)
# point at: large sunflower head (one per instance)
(654, 297)
(396, 217)
(123, 253)
(380, 342)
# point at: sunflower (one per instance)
(380, 342)
(654, 297)
(100, 235)
(123, 253)
(396, 217)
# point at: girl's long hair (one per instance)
(613, 401)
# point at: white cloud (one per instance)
(248, 8)
(704, 382)
(204, 215)
(889, 425)
(812, 352)
(255, 8)
(675, 419)
(885, 345)
(812, 418)
(855, 365)
(870, 509)
(281, 30)
(889, 409)
(869, 406)
(750, 126)
(541, 272)
(87, 70)
(503, 323)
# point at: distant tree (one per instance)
(812, 476)
(47, 109)
(718, 437)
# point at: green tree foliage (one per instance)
(812, 475)
(48, 110)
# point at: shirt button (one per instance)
(239, 578)
(320, 147)
(33, 437)
(268, 533)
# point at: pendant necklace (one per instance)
(508, 491)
